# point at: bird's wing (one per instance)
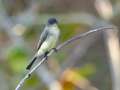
(42, 38)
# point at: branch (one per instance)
(82, 35)
(59, 47)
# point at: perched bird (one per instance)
(47, 41)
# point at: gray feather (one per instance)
(42, 38)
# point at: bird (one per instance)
(48, 41)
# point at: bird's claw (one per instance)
(46, 55)
(55, 50)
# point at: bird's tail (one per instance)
(33, 60)
(31, 63)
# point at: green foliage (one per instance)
(33, 81)
(30, 34)
(67, 30)
(17, 58)
(87, 70)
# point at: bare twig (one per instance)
(58, 48)
(79, 51)
(82, 35)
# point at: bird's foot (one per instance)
(46, 55)
(29, 75)
(55, 49)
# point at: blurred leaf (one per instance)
(33, 81)
(72, 77)
(68, 30)
(87, 70)
(32, 32)
(68, 86)
(17, 58)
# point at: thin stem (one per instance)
(58, 48)
(29, 74)
(82, 35)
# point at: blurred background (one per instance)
(91, 63)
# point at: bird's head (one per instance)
(52, 21)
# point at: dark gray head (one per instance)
(52, 21)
